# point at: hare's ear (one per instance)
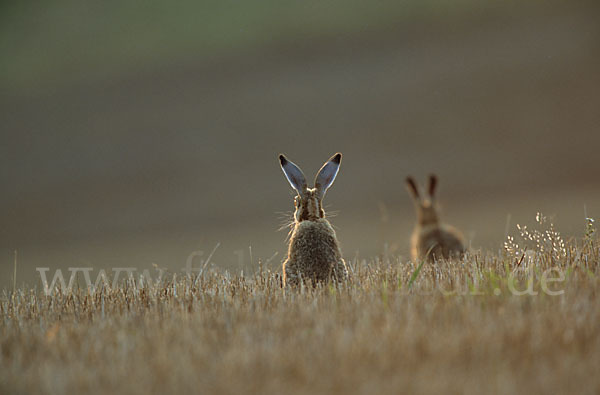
(326, 175)
(411, 185)
(293, 174)
(433, 180)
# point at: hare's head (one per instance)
(426, 206)
(308, 201)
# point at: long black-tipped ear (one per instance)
(293, 174)
(411, 185)
(433, 181)
(327, 174)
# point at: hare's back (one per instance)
(452, 240)
(443, 242)
(314, 252)
(315, 240)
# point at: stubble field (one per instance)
(523, 320)
(136, 137)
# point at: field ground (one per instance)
(142, 161)
(458, 327)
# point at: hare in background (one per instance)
(431, 239)
(314, 253)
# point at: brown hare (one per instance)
(314, 254)
(431, 239)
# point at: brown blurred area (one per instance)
(147, 163)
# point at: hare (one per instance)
(432, 240)
(314, 253)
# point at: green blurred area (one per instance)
(45, 42)
(137, 132)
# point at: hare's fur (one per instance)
(431, 239)
(314, 253)
(439, 241)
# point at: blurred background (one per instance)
(135, 133)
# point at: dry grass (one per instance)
(389, 329)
